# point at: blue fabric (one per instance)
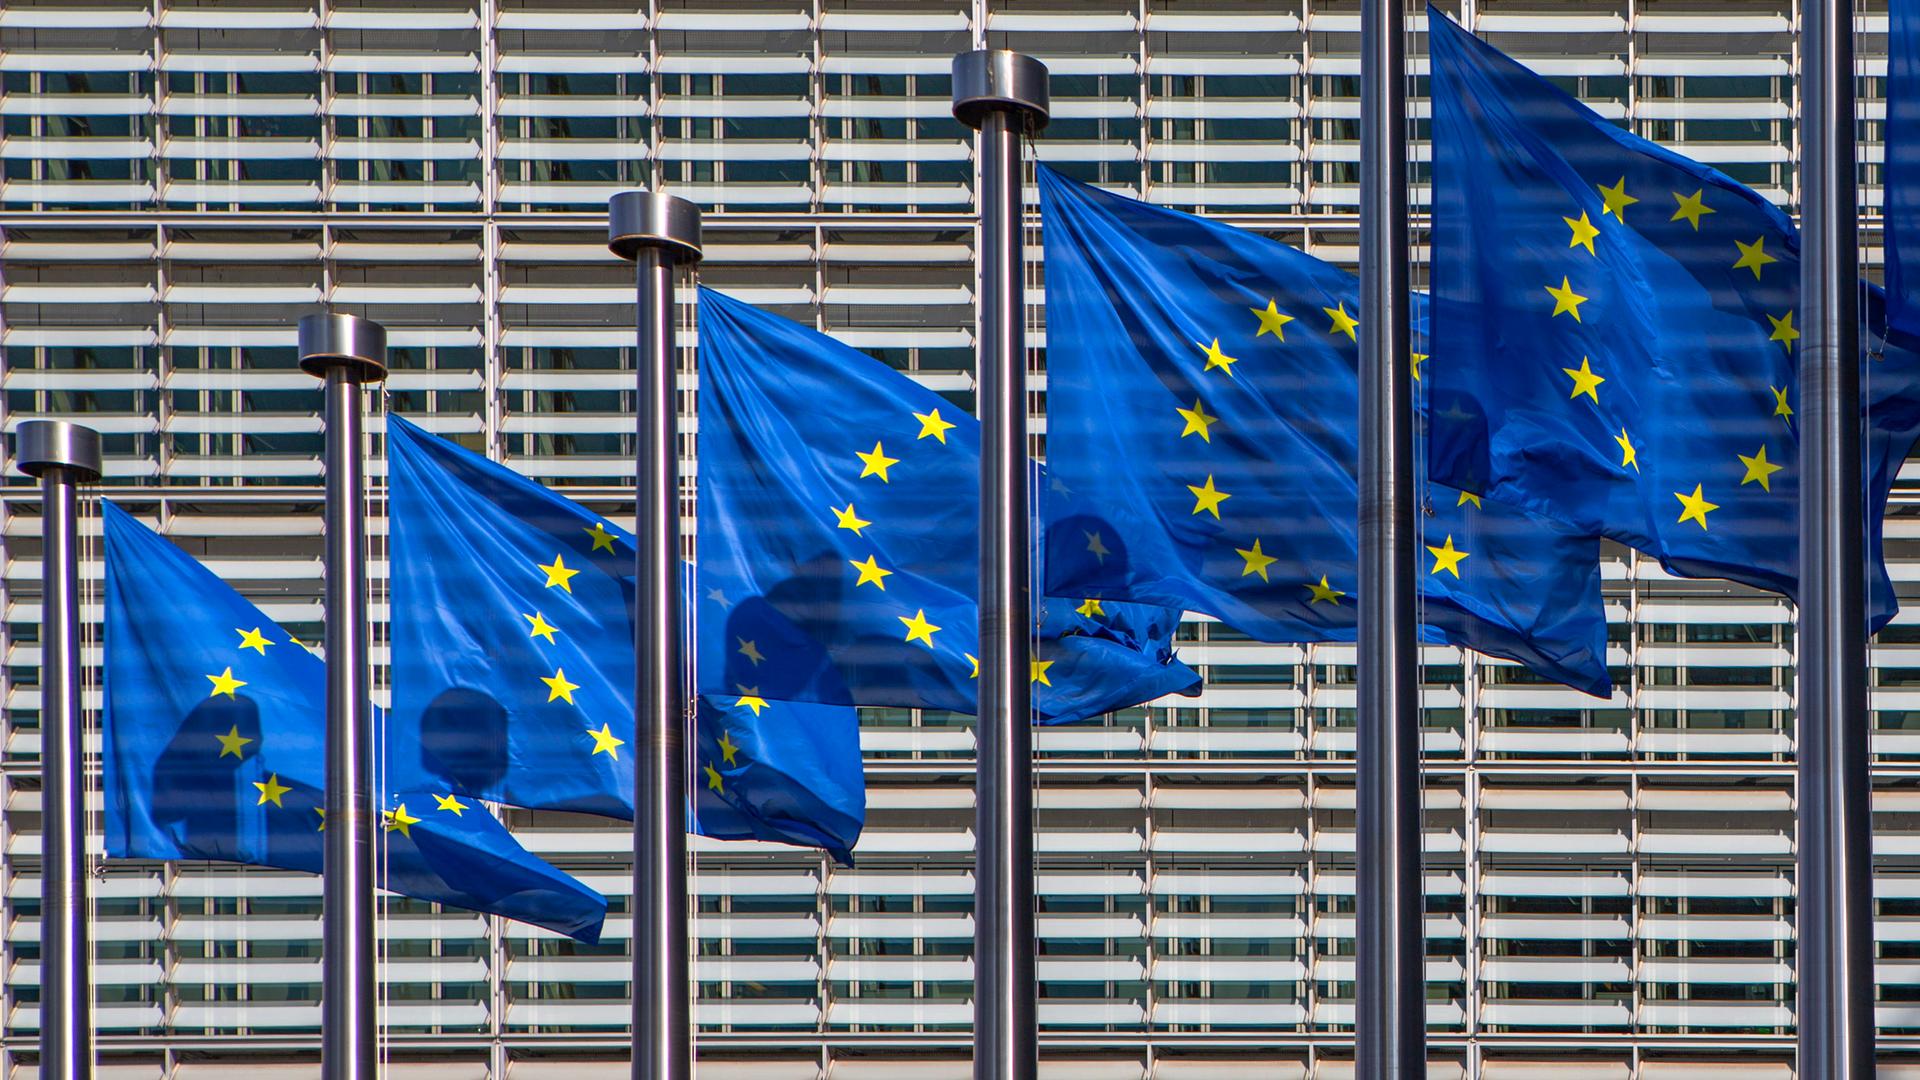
(486, 700)
(1685, 307)
(1186, 357)
(838, 509)
(215, 728)
(1901, 176)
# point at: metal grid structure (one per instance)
(1610, 884)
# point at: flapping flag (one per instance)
(838, 508)
(513, 665)
(1203, 402)
(215, 730)
(1614, 333)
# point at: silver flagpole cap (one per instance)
(39, 445)
(1000, 80)
(653, 219)
(331, 339)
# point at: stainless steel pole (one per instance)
(347, 352)
(1835, 922)
(63, 456)
(658, 232)
(1390, 981)
(1003, 95)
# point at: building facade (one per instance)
(1610, 883)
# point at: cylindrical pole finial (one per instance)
(1000, 80)
(332, 339)
(653, 219)
(39, 445)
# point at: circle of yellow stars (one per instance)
(1752, 256)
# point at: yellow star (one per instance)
(322, 827)
(224, 683)
(601, 538)
(1097, 546)
(1197, 421)
(751, 650)
(1208, 498)
(1565, 300)
(931, 424)
(918, 628)
(1218, 359)
(1446, 557)
(1343, 323)
(1691, 208)
(558, 687)
(1467, 497)
(1780, 406)
(728, 748)
(1628, 454)
(1037, 672)
(271, 791)
(749, 699)
(606, 742)
(539, 626)
(558, 574)
(1271, 321)
(1615, 199)
(1255, 560)
(253, 639)
(975, 661)
(1584, 381)
(849, 520)
(1090, 608)
(232, 741)
(1783, 331)
(1759, 469)
(714, 782)
(1695, 507)
(451, 804)
(1324, 593)
(1417, 358)
(871, 572)
(398, 820)
(876, 462)
(1753, 256)
(1583, 232)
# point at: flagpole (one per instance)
(657, 233)
(1390, 988)
(63, 456)
(1003, 95)
(347, 352)
(1835, 923)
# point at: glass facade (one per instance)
(1610, 884)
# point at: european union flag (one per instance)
(838, 508)
(1613, 333)
(1204, 402)
(215, 729)
(513, 665)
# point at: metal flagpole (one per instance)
(658, 232)
(62, 456)
(1835, 885)
(1390, 988)
(347, 352)
(1003, 95)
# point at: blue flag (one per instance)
(1614, 335)
(215, 730)
(1203, 397)
(1902, 170)
(513, 665)
(839, 505)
